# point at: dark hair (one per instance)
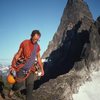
(35, 32)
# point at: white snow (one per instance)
(4, 69)
(90, 90)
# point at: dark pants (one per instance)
(28, 83)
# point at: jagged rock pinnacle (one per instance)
(74, 11)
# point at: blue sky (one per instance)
(19, 17)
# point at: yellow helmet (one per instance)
(11, 79)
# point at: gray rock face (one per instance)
(73, 54)
(97, 23)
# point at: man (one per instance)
(25, 50)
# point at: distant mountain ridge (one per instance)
(4, 69)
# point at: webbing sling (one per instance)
(31, 60)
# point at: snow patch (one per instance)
(90, 90)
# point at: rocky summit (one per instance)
(72, 54)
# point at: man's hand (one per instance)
(12, 69)
(40, 63)
(42, 72)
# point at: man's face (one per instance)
(35, 38)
